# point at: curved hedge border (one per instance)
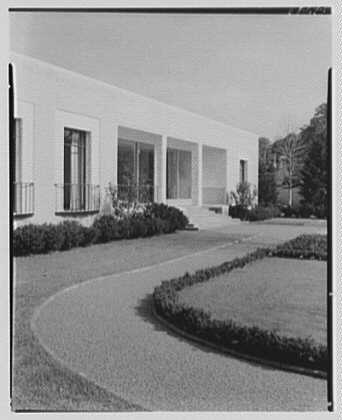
(252, 341)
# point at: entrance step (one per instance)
(207, 217)
(191, 226)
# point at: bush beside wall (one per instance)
(39, 239)
(255, 213)
(262, 213)
(249, 340)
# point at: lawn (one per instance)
(284, 295)
(39, 382)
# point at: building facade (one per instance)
(75, 136)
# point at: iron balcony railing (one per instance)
(77, 198)
(23, 198)
(131, 193)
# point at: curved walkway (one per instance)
(103, 330)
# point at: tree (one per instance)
(267, 187)
(316, 128)
(290, 150)
(314, 174)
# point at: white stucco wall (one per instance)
(56, 95)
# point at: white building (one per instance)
(75, 135)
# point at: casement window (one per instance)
(243, 171)
(76, 169)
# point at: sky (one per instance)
(261, 73)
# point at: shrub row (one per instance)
(304, 246)
(304, 210)
(39, 239)
(253, 214)
(263, 213)
(249, 340)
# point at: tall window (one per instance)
(243, 171)
(178, 174)
(76, 154)
(135, 170)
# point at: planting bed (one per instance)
(259, 306)
(286, 296)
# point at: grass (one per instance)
(39, 382)
(287, 296)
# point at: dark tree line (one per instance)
(304, 161)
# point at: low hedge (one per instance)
(254, 214)
(39, 239)
(269, 212)
(304, 210)
(252, 341)
(238, 212)
(304, 246)
(262, 213)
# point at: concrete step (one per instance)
(191, 227)
(203, 218)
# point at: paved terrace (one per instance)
(103, 330)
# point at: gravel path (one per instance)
(103, 329)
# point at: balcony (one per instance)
(77, 198)
(23, 198)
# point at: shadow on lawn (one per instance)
(144, 310)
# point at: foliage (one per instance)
(249, 340)
(290, 150)
(292, 211)
(255, 213)
(244, 195)
(126, 203)
(39, 239)
(174, 216)
(314, 188)
(314, 174)
(238, 212)
(267, 187)
(262, 213)
(155, 219)
(304, 246)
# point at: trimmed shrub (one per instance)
(175, 217)
(40, 239)
(253, 341)
(254, 214)
(29, 239)
(304, 246)
(238, 212)
(262, 213)
(108, 228)
(292, 211)
(73, 234)
(53, 237)
(155, 219)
